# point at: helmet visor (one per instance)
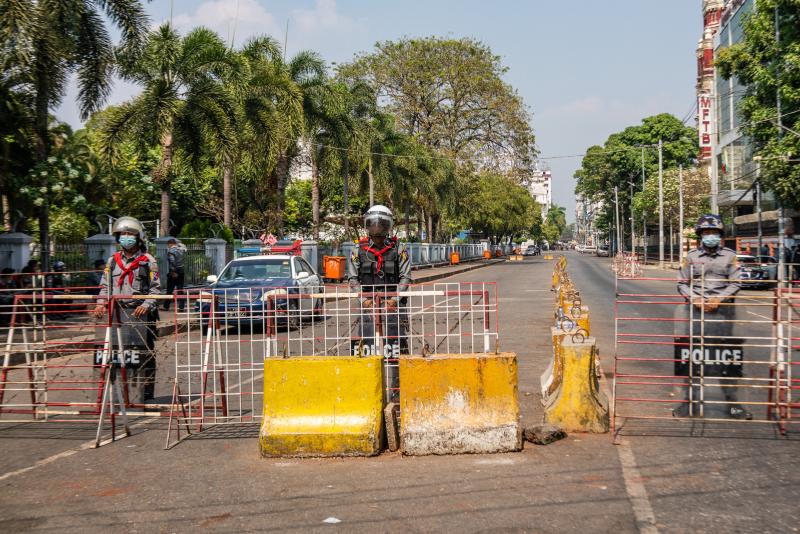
(377, 224)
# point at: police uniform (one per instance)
(382, 272)
(136, 275)
(707, 274)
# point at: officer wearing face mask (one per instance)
(709, 280)
(131, 271)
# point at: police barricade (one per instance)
(63, 364)
(229, 335)
(728, 361)
(784, 401)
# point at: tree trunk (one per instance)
(345, 188)
(421, 223)
(430, 228)
(164, 176)
(227, 178)
(371, 182)
(282, 170)
(42, 103)
(408, 221)
(315, 211)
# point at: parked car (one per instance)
(532, 250)
(757, 272)
(248, 289)
(602, 251)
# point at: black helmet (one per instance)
(709, 222)
(59, 266)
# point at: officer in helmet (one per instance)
(132, 271)
(709, 281)
(380, 266)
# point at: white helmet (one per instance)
(378, 221)
(128, 224)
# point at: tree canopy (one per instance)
(769, 68)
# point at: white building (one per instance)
(541, 189)
(586, 212)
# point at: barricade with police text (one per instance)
(734, 362)
(61, 364)
(232, 335)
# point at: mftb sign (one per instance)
(705, 123)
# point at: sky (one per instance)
(585, 68)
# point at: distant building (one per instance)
(586, 212)
(540, 187)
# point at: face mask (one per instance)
(127, 241)
(711, 240)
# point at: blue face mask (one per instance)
(127, 241)
(711, 240)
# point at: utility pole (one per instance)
(781, 251)
(633, 234)
(660, 204)
(644, 218)
(758, 206)
(680, 214)
(616, 215)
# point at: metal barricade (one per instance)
(730, 363)
(229, 333)
(62, 364)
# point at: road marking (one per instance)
(637, 494)
(67, 453)
(759, 315)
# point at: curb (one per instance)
(466, 269)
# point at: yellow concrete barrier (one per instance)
(322, 406)
(550, 380)
(459, 403)
(578, 405)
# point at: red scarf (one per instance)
(130, 268)
(379, 253)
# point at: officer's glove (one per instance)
(712, 304)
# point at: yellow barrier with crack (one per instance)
(322, 406)
(459, 403)
(578, 405)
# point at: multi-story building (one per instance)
(540, 187)
(586, 212)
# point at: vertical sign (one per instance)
(705, 124)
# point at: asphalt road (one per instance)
(666, 476)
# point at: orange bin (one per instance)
(334, 267)
(455, 258)
(486, 254)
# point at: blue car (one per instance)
(250, 290)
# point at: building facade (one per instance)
(540, 187)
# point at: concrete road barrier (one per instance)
(322, 406)
(459, 403)
(578, 405)
(550, 380)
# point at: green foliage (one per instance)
(767, 68)
(501, 208)
(297, 214)
(696, 189)
(204, 229)
(66, 226)
(619, 161)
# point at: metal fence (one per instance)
(729, 360)
(229, 334)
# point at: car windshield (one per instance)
(767, 259)
(257, 270)
(746, 259)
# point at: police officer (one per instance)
(709, 280)
(132, 271)
(380, 266)
(175, 278)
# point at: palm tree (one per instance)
(48, 40)
(270, 111)
(556, 216)
(184, 105)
